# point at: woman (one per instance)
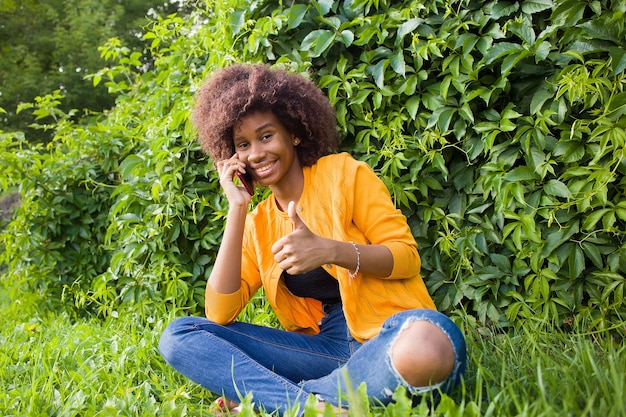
(336, 259)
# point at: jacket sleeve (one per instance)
(224, 308)
(375, 215)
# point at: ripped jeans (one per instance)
(282, 368)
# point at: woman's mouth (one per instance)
(260, 170)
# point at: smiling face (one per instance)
(268, 149)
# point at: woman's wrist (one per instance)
(355, 272)
(345, 255)
(362, 258)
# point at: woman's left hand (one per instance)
(301, 250)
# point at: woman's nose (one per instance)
(256, 153)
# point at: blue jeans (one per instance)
(282, 368)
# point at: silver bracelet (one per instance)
(353, 275)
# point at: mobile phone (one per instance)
(247, 181)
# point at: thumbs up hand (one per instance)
(299, 251)
(298, 223)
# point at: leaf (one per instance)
(556, 188)
(397, 63)
(317, 42)
(576, 262)
(542, 51)
(445, 87)
(445, 118)
(23, 106)
(324, 6)
(295, 14)
(501, 261)
(620, 210)
(593, 253)
(440, 163)
(347, 37)
(523, 173)
(569, 13)
(592, 219)
(96, 80)
(618, 102)
(570, 150)
(530, 228)
(524, 30)
(511, 60)
(536, 6)
(618, 60)
(466, 112)
(237, 19)
(599, 30)
(378, 72)
(579, 48)
(130, 217)
(127, 166)
(412, 105)
(539, 98)
(501, 49)
(406, 28)
(557, 238)
(503, 8)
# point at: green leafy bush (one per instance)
(499, 128)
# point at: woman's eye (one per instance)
(266, 136)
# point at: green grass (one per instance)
(51, 365)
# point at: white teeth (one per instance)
(263, 168)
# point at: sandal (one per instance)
(223, 407)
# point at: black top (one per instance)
(317, 284)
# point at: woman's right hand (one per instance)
(227, 169)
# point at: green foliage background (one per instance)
(499, 128)
(49, 45)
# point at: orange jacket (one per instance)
(344, 200)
